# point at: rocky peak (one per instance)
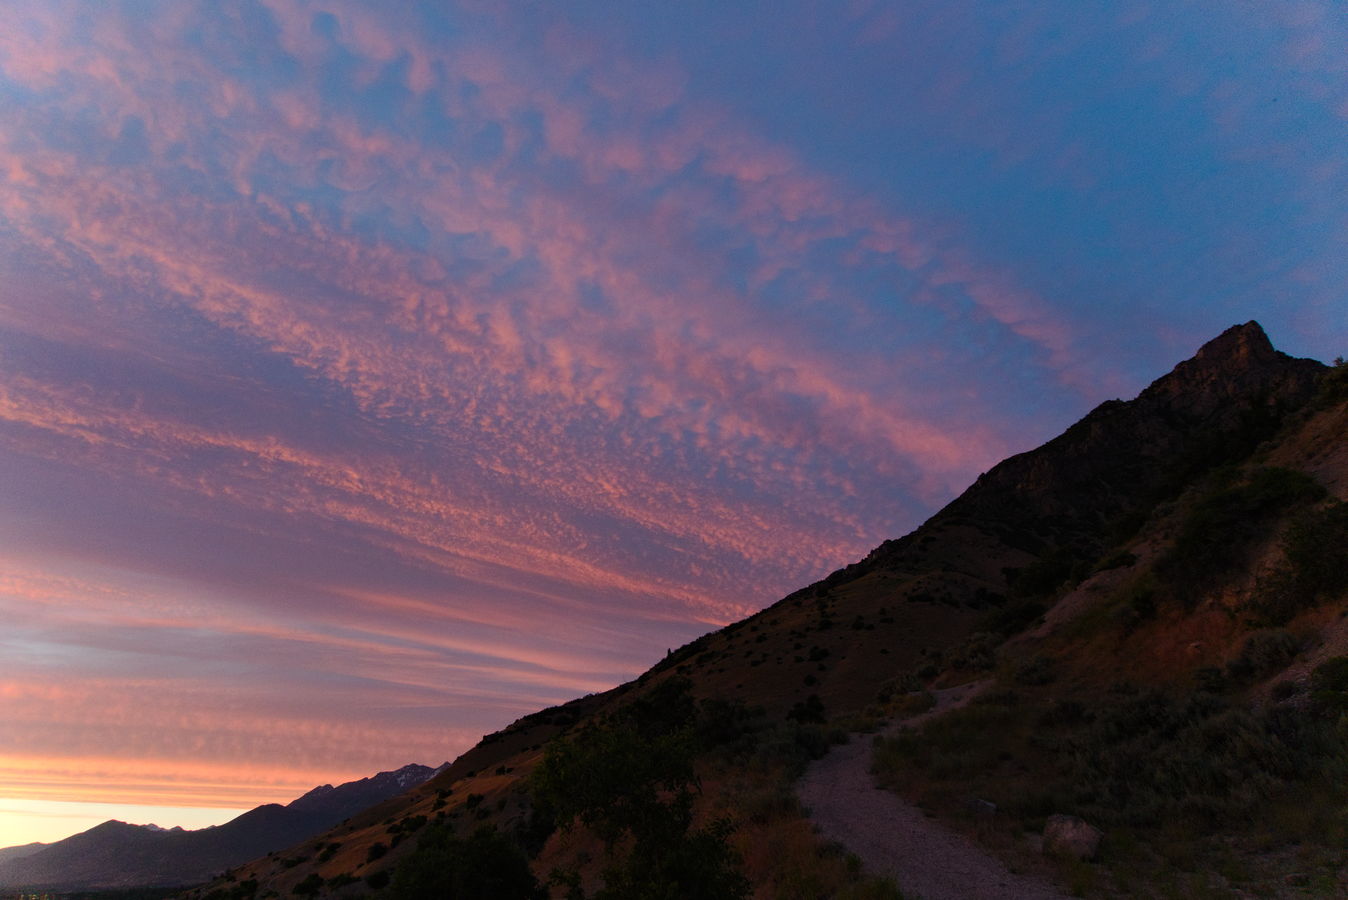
(1210, 409)
(1237, 368)
(1239, 345)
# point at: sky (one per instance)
(372, 375)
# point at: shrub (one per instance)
(1065, 713)
(811, 709)
(1211, 679)
(484, 866)
(1045, 575)
(1037, 670)
(1118, 560)
(794, 745)
(1285, 690)
(1264, 653)
(1314, 569)
(1329, 685)
(977, 653)
(1012, 619)
(1223, 522)
(1150, 757)
(1331, 675)
(728, 724)
(1333, 384)
(1138, 602)
(1316, 547)
(310, 886)
(629, 778)
(913, 703)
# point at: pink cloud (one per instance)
(499, 409)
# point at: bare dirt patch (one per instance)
(895, 838)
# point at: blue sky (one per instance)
(372, 376)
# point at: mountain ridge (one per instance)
(117, 854)
(967, 589)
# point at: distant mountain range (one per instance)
(116, 854)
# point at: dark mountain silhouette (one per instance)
(1072, 496)
(1151, 545)
(116, 854)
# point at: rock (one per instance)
(1071, 837)
(982, 808)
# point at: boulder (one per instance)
(982, 809)
(1072, 837)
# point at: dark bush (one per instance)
(1037, 670)
(1065, 712)
(1139, 603)
(1211, 679)
(1150, 756)
(1264, 653)
(1329, 685)
(728, 724)
(1045, 575)
(1222, 523)
(977, 653)
(484, 866)
(811, 709)
(1314, 569)
(1316, 547)
(1333, 384)
(793, 745)
(310, 886)
(629, 778)
(1012, 619)
(1119, 560)
(1285, 690)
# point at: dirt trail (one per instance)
(894, 838)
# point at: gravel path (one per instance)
(894, 838)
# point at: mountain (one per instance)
(1151, 607)
(116, 854)
(8, 853)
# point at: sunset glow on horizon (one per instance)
(371, 377)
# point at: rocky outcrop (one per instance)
(1070, 495)
(1070, 837)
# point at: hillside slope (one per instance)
(1186, 695)
(990, 581)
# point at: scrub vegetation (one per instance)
(1152, 606)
